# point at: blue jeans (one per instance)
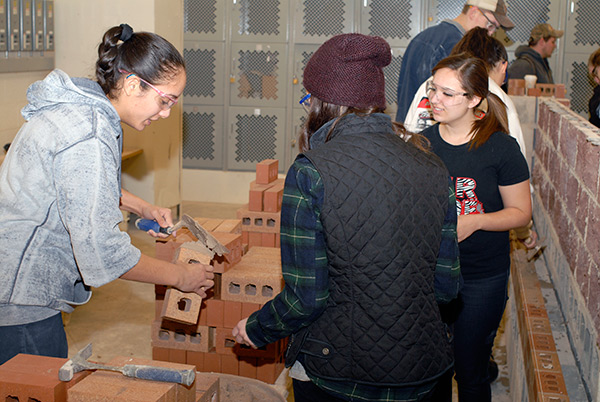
(484, 301)
(43, 338)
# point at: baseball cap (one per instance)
(498, 8)
(545, 31)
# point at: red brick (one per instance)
(582, 271)
(543, 342)
(270, 351)
(177, 356)
(225, 342)
(268, 370)
(552, 383)
(588, 165)
(249, 308)
(229, 364)
(534, 92)
(233, 241)
(268, 239)
(230, 226)
(273, 197)
(245, 237)
(212, 362)
(247, 366)
(181, 307)
(263, 222)
(250, 282)
(266, 171)
(214, 313)
(592, 236)
(232, 313)
(160, 354)
(255, 239)
(207, 387)
(196, 359)
(172, 335)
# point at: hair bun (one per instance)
(126, 33)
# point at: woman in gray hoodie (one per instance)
(60, 191)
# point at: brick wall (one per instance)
(566, 209)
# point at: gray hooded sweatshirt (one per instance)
(60, 189)
(530, 62)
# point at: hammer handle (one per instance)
(185, 377)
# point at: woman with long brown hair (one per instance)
(491, 181)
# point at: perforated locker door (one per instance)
(206, 73)
(315, 21)
(258, 75)
(397, 21)
(259, 20)
(204, 20)
(203, 137)
(302, 53)
(391, 73)
(578, 83)
(255, 134)
(440, 10)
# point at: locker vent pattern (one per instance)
(390, 18)
(305, 58)
(581, 88)
(448, 9)
(392, 72)
(198, 136)
(258, 74)
(323, 18)
(200, 16)
(255, 138)
(259, 17)
(586, 23)
(526, 15)
(203, 63)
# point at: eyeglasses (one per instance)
(447, 96)
(164, 104)
(490, 26)
(305, 102)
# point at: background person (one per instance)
(60, 191)
(368, 244)
(492, 193)
(533, 58)
(433, 44)
(594, 104)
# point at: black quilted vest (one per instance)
(382, 216)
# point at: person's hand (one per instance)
(239, 332)
(161, 215)
(197, 278)
(531, 241)
(466, 226)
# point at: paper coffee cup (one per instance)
(530, 81)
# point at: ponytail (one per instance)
(495, 119)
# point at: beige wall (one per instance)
(79, 26)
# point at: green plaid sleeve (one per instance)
(303, 260)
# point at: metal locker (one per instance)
(38, 26)
(14, 25)
(397, 21)
(255, 134)
(204, 20)
(392, 72)
(302, 53)
(259, 20)
(206, 75)
(27, 25)
(315, 21)
(203, 137)
(3, 26)
(258, 75)
(49, 25)
(444, 10)
(578, 83)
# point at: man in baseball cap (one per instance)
(433, 44)
(533, 58)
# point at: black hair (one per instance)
(150, 56)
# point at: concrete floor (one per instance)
(118, 317)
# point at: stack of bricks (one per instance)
(199, 333)
(35, 378)
(517, 87)
(261, 217)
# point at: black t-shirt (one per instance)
(593, 106)
(476, 174)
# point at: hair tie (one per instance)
(126, 33)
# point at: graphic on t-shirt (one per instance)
(425, 117)
(466, 200)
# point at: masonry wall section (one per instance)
(566, 209)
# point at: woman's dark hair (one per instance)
(321, 112)
(473, 76)
(480, 44)
(148, 55)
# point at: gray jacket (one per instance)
(530, 62)
(59, 201)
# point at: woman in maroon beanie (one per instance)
(368, 244)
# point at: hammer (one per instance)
(79, 363)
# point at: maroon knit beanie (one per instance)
(347, 70)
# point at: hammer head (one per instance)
(75, 364)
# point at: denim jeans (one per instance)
(474, 332)
(44, 338)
